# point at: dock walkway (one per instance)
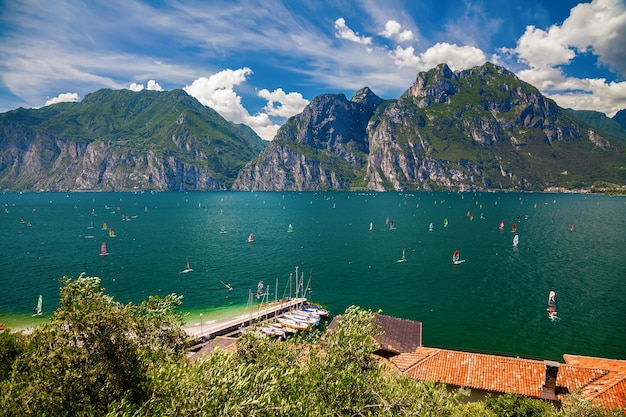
(221, 327)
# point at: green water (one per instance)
(493, 302)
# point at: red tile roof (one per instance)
(602, 380)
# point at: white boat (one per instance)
(290, 228)
(316, 310)
(38, 307)
(430, 227)
(304, 317)
(292, 324)
(456, 258)
(187, 268)
(272, 331)
(228, 287)
(515, 240)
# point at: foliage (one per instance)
(94, 351)
(98, 357)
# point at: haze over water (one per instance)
(493, 302)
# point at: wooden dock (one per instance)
(214, 328)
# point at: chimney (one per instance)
(548, 388)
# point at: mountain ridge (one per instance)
(480, 129)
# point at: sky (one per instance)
(259, 62)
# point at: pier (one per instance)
(233, 326)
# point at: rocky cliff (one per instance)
(116, 140)
(479, 129)
(324, 147)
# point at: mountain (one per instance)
(473, 130)
(477, 129)
(324, 147)
(116, 140)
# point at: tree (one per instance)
(94, 351)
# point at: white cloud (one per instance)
(597, 28)
(456, 57)
(393, 30)
(152, 86)
(342, 31)
(63, 98)
(135, 87)
(288, 104)
(218, 92)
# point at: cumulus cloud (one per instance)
(548, 52)
(393, 30)
(342, 31)
(456, 57)
(63, 98)
(281, 104)
(218, 92)
(152, 86)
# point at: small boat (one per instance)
(187, 268)
(392, 225)
(38, 307)
(501, 224)
(571, 227)
(371, 225)
(455, 258)
(316, 310)
(251, 238)
(272, 331)
(104, 226)
(445, 222)
(514, 228)
(112, 233)
(103, 249)
(290, 228)
(228, 287)
(403, 258)
(430, 227)
(292, 324)
(515, 240)
(223, 230)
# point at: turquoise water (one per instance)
(493, 302)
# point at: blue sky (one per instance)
(259, 62)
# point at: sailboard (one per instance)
(187, 268)
(103, 249)
(403, 258)
(38, 307)
(290, 228)
(552, 306)
(228, 286)
(251, 238)
(456, 258)
(515, 240)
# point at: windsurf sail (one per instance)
(251, 238)
(501, 224)
(103, 249)
(455, 256)
(515, 240)
(38, 308)
(552, 298)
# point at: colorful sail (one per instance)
(455, 256)
(103, 249)
(251, 238)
